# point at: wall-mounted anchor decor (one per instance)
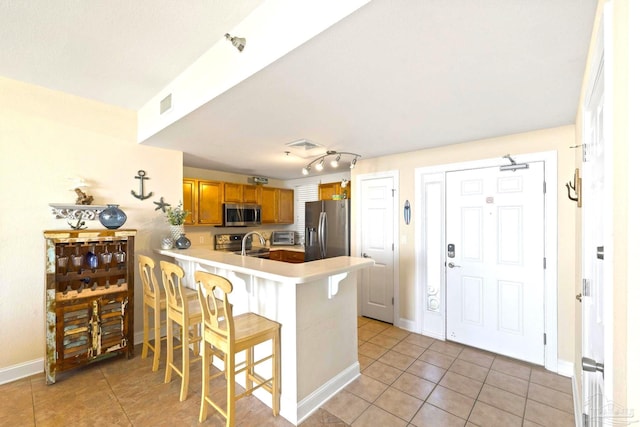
(162, 205)
(576, 186)
(141, 176)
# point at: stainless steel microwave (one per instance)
(241, 214)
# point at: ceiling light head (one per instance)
(305, 171)
(237, 42)
(336, 162)
(320, 165)
(353, 163)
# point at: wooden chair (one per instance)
(231, 335)
(154, 298)
(184, 311)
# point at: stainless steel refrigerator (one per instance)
(327, 229)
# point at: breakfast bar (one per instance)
(316, 304)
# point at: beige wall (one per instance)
(557, 139)
(45, 137)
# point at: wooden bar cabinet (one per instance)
(89, 297)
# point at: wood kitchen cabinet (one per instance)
(294, 257)
(241, 193)
(277, 205)
(89, 297)
(204, 200)
(328, 190)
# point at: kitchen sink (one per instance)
(259, 253)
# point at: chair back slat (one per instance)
(216, 313)
(172, 275)
(150, 284)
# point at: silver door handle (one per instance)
(452, 265)
(591, 365)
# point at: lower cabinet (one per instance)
(89, 297)
(287, 256)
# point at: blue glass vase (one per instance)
(182, 242)
(112, 217)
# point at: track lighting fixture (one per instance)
(335, 162)
(237, 42)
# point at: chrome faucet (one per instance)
(244, 240)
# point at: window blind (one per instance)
(304, 193)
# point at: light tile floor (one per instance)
(407, 380)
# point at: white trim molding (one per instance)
(21, 370)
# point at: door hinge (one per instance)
(585, 420)
(544, 187)
(544, 338)
(393, 300)
(393, 192)
(600, 252)
(393, 247)
(544, 263)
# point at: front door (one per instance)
(495, 260)
(377, 242)
(593, 251)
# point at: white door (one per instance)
(495, 260)
(377, 241)
(593, 245)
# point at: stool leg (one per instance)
(167, 371)
(185, 363)
(231, 390)
(145, 330)
(156, 339)
(248, 357)
(204, 406)
(275, 371)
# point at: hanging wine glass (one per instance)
(121, 256)
(62, 262)
(105, 257)
(77, 260)
(92, 258)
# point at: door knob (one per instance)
(452, 265)
(365, 256)
(591, 365)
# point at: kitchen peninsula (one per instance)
(316, 304)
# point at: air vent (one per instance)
(305, 149)
(165, 104)
(303, 144)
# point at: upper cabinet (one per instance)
(277, 205)
(330, 189)
(204, 200)
(241, 193)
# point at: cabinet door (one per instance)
(269, 205)
(210, 202)
(285, 206)
(293, 257)
(275, 255)
(326, 191)
(233, 192)
(251, 194)
(189, 190)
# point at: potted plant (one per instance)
(176, 217)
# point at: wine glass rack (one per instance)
(89, 297)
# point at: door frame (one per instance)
(436, 176)
(356, 231)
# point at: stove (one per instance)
(233, 243)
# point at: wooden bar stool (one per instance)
(154, 299)
(231, 335)
(184, 311)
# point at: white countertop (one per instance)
(266, 268)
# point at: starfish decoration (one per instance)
(162, 205)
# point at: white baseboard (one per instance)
(565, 368)
(329, 389)
(406, 324)
(21, 370)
